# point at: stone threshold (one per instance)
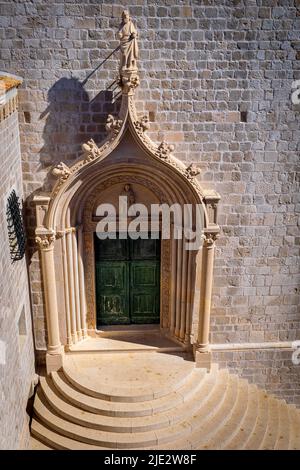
(118, 340)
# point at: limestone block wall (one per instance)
(216, 80)
(16, 348)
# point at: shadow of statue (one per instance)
(74, 115)
(72, 118)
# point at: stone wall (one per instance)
(271, 369)
(216, 79)
(16, 348)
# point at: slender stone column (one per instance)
(202, 346)
(81, 284)
(71, 285)
(55, 349)
(188, 315)
(66, 285)
(178, 288)
(76, 285)
(173, 285)
(183, 291)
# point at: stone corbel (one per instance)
(211, 200)
(41, 203)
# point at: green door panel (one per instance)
(112, 293)
(144, 249)
(144, 291)
(111, 249)
(127, 281)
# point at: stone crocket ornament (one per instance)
(61, 170)
(113, 125)
(90, 150)
(192, 171)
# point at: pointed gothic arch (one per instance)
(66, 223)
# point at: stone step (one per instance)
(294, 420)
(128, 424)
(232, 421)
(259, 430)
(126, 440)
(215, 410)
(206, 413)
(204, 430)
(283, 437)
(166, 381)
(105, 439)
(193, 385)
(43, 434)
(36, 444)
(239, 436)
(271, 433)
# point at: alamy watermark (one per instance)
(296, 92)
(138, 221)
(2, 94)
(296, 353)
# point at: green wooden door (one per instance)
(127, 281)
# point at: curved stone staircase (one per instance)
(185, 409)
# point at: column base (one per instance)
(54, 362)
(202, 359)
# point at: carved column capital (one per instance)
(209, 238)
(45, 241)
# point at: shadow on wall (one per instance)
(75, 113)
(72, 118)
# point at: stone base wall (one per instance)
(270, 369)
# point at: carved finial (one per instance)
(164, 150)
(90, 151)
(61, 171)
(113, 125)
(129, 53)
(192, 171)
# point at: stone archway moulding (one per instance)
(65, 227)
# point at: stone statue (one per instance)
(128, 44)
(128, 192)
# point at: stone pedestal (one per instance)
(202, 359)
(54, 362)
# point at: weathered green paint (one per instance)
(127, 281)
